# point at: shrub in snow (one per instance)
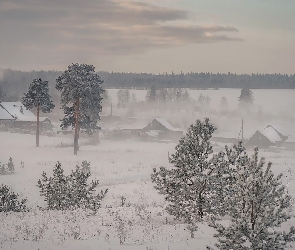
(121, 228)
(9, 201)
(190, 186)
(257, 204)
(70, 192)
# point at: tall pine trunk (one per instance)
(37, 130)
(76, 137)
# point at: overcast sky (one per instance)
(156, 36)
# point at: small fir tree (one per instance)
(38, 96)
(10, 165)
(81, 97)
(85, 167)
(83, 194)
(257, 205)
(70, 192)
(2, 169)
(55, 189)
(188, 187)
(9, 201)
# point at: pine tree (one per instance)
(257, 205)
(9, 201)
(204, 102)
(162, 95)
(133, 98)
(189, 186)
(185, 97)
(124, 97)
(224, 104)
(106, 99)
(151, 94)
(38, 96)
(246, 98)
(81, 97)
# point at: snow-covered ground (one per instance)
(124, 168)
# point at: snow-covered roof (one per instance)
(272, 134)
(4, 115)
(167, 124)
(18, 111)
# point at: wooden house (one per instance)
(15, 115)
(162, 130)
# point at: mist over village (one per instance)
(147, 125)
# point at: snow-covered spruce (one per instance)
(9, 201)
(257, 205)
(38, 96)
(192, 187)
(63, 192)
(81, 97)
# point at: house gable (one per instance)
(259, 140)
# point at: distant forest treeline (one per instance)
(15, 83)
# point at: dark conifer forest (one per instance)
(15, 82)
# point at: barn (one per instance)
(266, 138)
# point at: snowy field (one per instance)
(124, 168)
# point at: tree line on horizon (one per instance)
(14, 82)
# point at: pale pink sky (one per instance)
(149, 36)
